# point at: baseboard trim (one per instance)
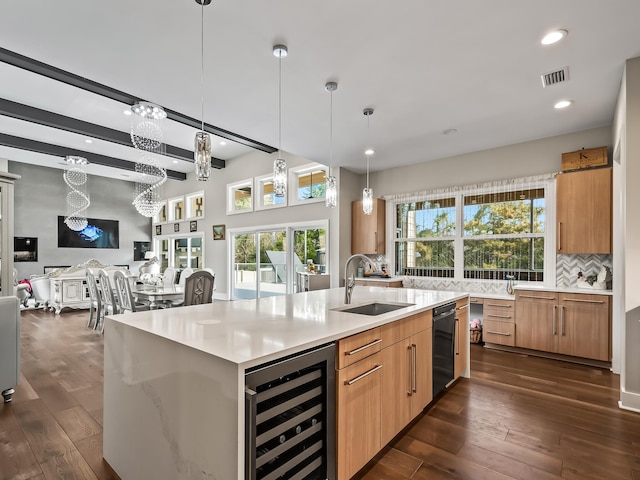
(553, 356)
(629, 401)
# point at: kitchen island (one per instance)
(174, 379)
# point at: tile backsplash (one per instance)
(568, 266)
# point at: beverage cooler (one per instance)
(290, 417)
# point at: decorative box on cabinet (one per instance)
(583, 211)
(368, 231)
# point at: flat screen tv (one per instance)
(97, 234)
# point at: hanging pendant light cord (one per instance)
(331, 133)
(202, 63)
(280, 105)
(369, 144)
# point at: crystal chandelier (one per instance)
(75, 176)
(367, 193)
(202, 142)
(279, 165)
(146, 135)
(331, 186)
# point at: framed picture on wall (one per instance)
(158, 229)
(218, 232)
(193, 226)
(176, 227)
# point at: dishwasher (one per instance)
(444, 322)
(290, 417)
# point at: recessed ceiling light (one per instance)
(563, 104)
(127, 112)
(175, 161)
(88, 140)
(553, 37)
(223, 143)
(449, 131)
(369, 151)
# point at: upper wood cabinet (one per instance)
(368, 231)
(583, 211)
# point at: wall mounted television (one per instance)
(25, 249)
(97, 234)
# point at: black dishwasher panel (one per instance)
(444, 322)
(290, 418)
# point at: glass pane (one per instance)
(273, 260)
(503, 213)
(495, 258)
(164, 254)
(268, 197)
(181, 253)
(196, 206)
(312, 185)
(242, 198)
(435, 218)
(425, 259)
(195, 257)
(244, 266)
(310, 244)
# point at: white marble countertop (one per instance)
(587, 291)
(252, 332)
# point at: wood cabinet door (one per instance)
(368, 231)
(461, 338)
(537, 324)
(583, 211)
(358, 415)
(396, 389)
(584, 327)
(422, 371)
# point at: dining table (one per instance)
(158, 294)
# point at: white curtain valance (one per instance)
(475, 187)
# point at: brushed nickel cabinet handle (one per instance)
(559, 236)
(463, 307)
(582, 301)
(457, 336)
(500, 333)
(364, 347)
(414, 358)
(536, 297)
(555, 307)
(410, 350)
(365, 374)
(562, 320)
(503, 305)
(498, 316)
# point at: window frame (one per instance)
(231, 189)
(259, 183)
(188, 198)
(294, 183)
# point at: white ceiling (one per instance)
(425, 66)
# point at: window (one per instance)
(427, 238)
(473, 235)
(195, 205)
(180, 251)
(161, 217)
(266, 197)
(176, 209)
(240, 197)
(307, 183)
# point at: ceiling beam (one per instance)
(49, 71)
(58, 151)
(27, 113)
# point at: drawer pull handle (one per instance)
(498, 316)
(498, 305)
(499, 333)
(365, 374)
(582, 301)
(364, 347)
(462, 308)
(539, 298)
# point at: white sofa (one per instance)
(9, 346)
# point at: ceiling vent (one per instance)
(557, 76)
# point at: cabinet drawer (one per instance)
(356, 347)
(476, 300)
(502, 333)
(584, 300)
(399, 330)
(536, 297)
(499, 310)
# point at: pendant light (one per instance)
(279, 165)
(331, 187)
(202, 142)
(367, 193)
(75, 176)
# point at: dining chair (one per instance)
(169, 276)
(109, 302)
(184, 274)
(125, 296)
(198, 288)
(95, 307)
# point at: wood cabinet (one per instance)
(567, 323)
(358, 415)
(498, 318)
(461, 348)
(407, 377)
(583, 211)
(368, 231)
(379, 283)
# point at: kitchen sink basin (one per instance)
(375, 308)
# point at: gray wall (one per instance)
(39, 199)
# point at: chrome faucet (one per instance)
(350, 282)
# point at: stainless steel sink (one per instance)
(375, 308)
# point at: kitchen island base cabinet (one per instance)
(461, 359)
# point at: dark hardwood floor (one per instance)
(518, 417)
